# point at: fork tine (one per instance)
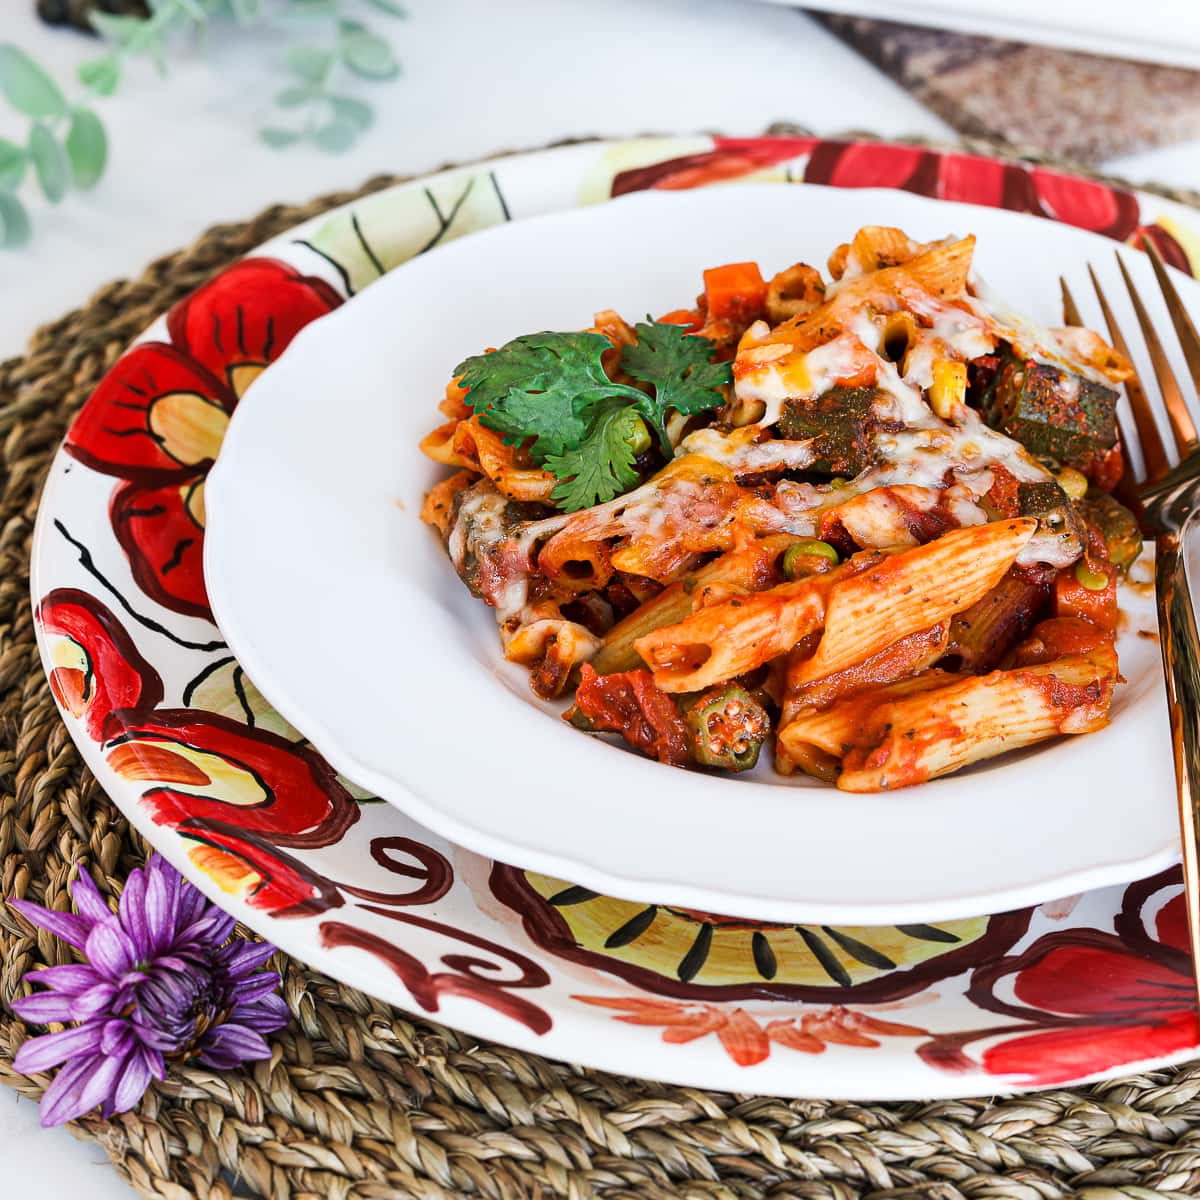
(1070, 308)
(1153, 450)
(1189, 339)
(1182, 425)
(1125, 491)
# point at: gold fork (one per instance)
(1166, 499)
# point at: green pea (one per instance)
(807, 548)
(639, 437)
(1088, 577)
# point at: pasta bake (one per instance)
(863, 518)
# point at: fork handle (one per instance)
(1180, 644)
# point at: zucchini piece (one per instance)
(1117, 525)
(1052, 411)
(841, 422)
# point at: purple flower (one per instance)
(165, 981)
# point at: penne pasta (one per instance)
(907, 656)
(913, 590)
(439, 445)
(473, 442)
(438, 509)
(550, 645)
(738, 635)
(748, 568)
(919, 737)
(835, 730)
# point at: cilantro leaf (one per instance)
(680, 368)
(601, 467)
(551, 389)
(542, 386)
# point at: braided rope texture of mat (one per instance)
(360, 1101)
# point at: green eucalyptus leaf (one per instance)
(247, 11)
(28, 88)
(15, 229)
(49, 162)
(335, 137)
(352, 111)
(193, 9)
(87, 148)
(101, 75)
(293, 97)
(119, 29)
(309, 63)
(390, 7)
(369, 56)
(278, 139)
(13, 160)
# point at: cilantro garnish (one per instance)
(552, 388)
(601, 466)
(541, 385)
(678, 364)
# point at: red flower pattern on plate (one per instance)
(947, 175)
(243, 797)
(158, 417)
(1088, 1000)
(748, 1039)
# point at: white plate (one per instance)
(314, 542)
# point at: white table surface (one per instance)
(478, 77)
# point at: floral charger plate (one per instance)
(243, 805)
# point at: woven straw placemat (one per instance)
(362, 1101)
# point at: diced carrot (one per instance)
(1072, 599)
(736, 291)
(683, 316)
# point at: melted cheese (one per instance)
(744, 455)
(480, 526)
(775, 372)
(1030, 340)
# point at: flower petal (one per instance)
(228, 1045)
(193, 905)
(87, 899)
(248, 957)
(70, 928)
(133, 901)
(114, 676)
(210, 928)
(116, 1038)
(159, 528)
(42, 1053)
(256, 986)
(248, 314)
(43, 1007)
(102, 998)
(70, 977)
(1100, 977)
(153, 1062)
(61, 1100)
(1171, 923)
(265, 1015)
(117, 432)
(1058, 1055)
(109, 951)
(131, 1085)
(100, 1084)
